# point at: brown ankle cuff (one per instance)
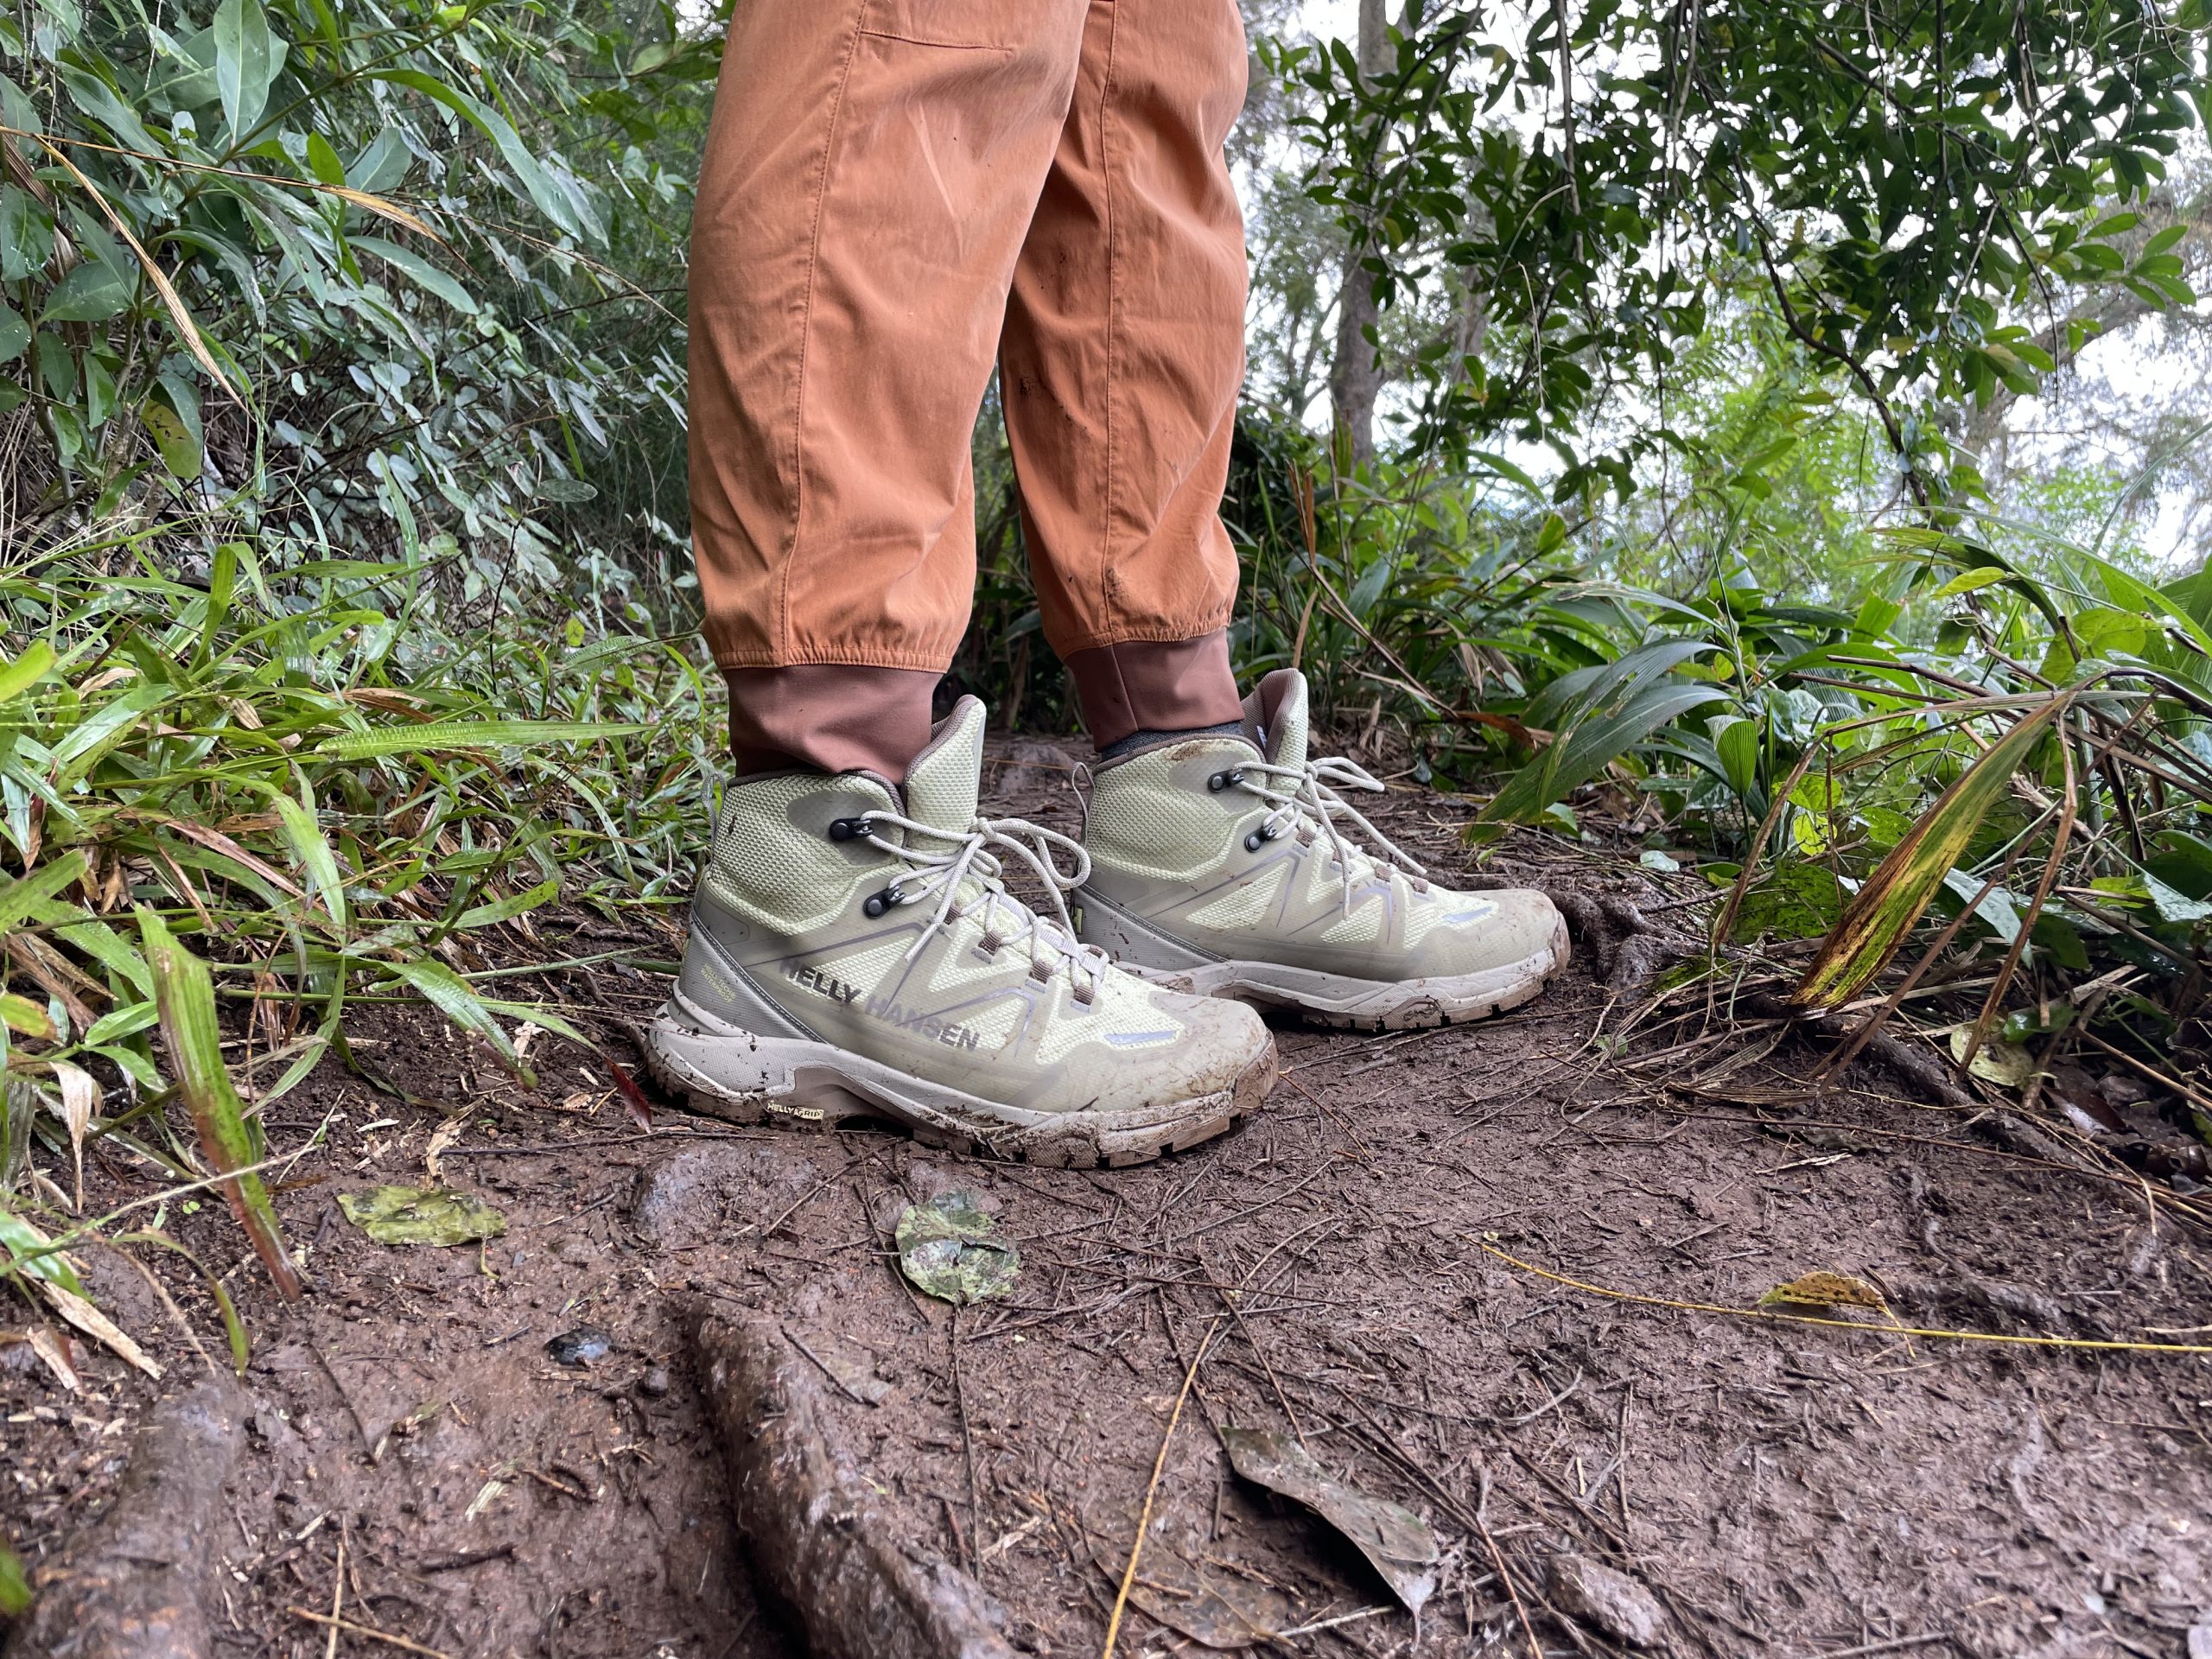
(1156, 685)
(831, 717)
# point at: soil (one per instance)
(1359, 1268)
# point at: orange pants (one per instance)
(891, 190)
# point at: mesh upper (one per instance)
(941, 784)
(768, 870)
(1168, 846)
(1141, 821)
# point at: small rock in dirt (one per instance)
(585, 1345)
(1608, 1599)
(2200, 1638)
(654, 1384)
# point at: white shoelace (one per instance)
(942, 874)
(1309, 793)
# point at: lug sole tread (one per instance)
(829, 1103)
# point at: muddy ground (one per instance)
(1336, 1269)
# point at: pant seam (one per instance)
(929, 664)
(942, 46)
(1106, 594)
(1164, 635)
(783, 608)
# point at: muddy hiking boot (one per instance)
(853, 954)
(1231, 865)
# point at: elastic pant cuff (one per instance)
(830, 717)
(1159, 686)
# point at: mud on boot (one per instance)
(854, 954)
(1231, 865)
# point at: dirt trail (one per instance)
(1780, 1488)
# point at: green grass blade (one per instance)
(233, 1327)
(20, 899)
(186, 998)
(304, 835)
(14, 1586)
(449, 994)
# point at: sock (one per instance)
(1147, 739)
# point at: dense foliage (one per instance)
(1906, 185)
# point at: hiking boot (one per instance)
(1222, 864)
(853, 954)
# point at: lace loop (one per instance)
(970, 857)
(1308, 795)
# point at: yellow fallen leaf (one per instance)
(2006, 1064)
(1821, 1288)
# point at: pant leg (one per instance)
(870, 173)
(1120, 365)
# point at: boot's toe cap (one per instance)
(1500, 928)
(1221, 1041)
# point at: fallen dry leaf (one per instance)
(1397, 1543)
(49, 1346)
(1821, 1288)
(96, 1325)
(442, 1137)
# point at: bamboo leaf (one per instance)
(186, 997)
(449, 994)
(30, 1251)
(421, 270)
(507, 909)
(448, 736)
(306, 839)
(1593, 746)
(536, 181)
(20, 1013)
(246, 61)
(1883, 911)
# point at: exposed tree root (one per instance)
(128, 1587)
(1614, 938)
(816, 1536)
(1964, 1293)
(1912, 1063)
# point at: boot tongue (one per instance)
(1274, 718)
(942, 782)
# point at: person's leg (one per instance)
(1121, 363)
(1220, 855)
(872, 168)
(870, 175)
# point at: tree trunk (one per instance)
(1355, 377)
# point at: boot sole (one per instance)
(723, 1071)
(1345, 1003)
